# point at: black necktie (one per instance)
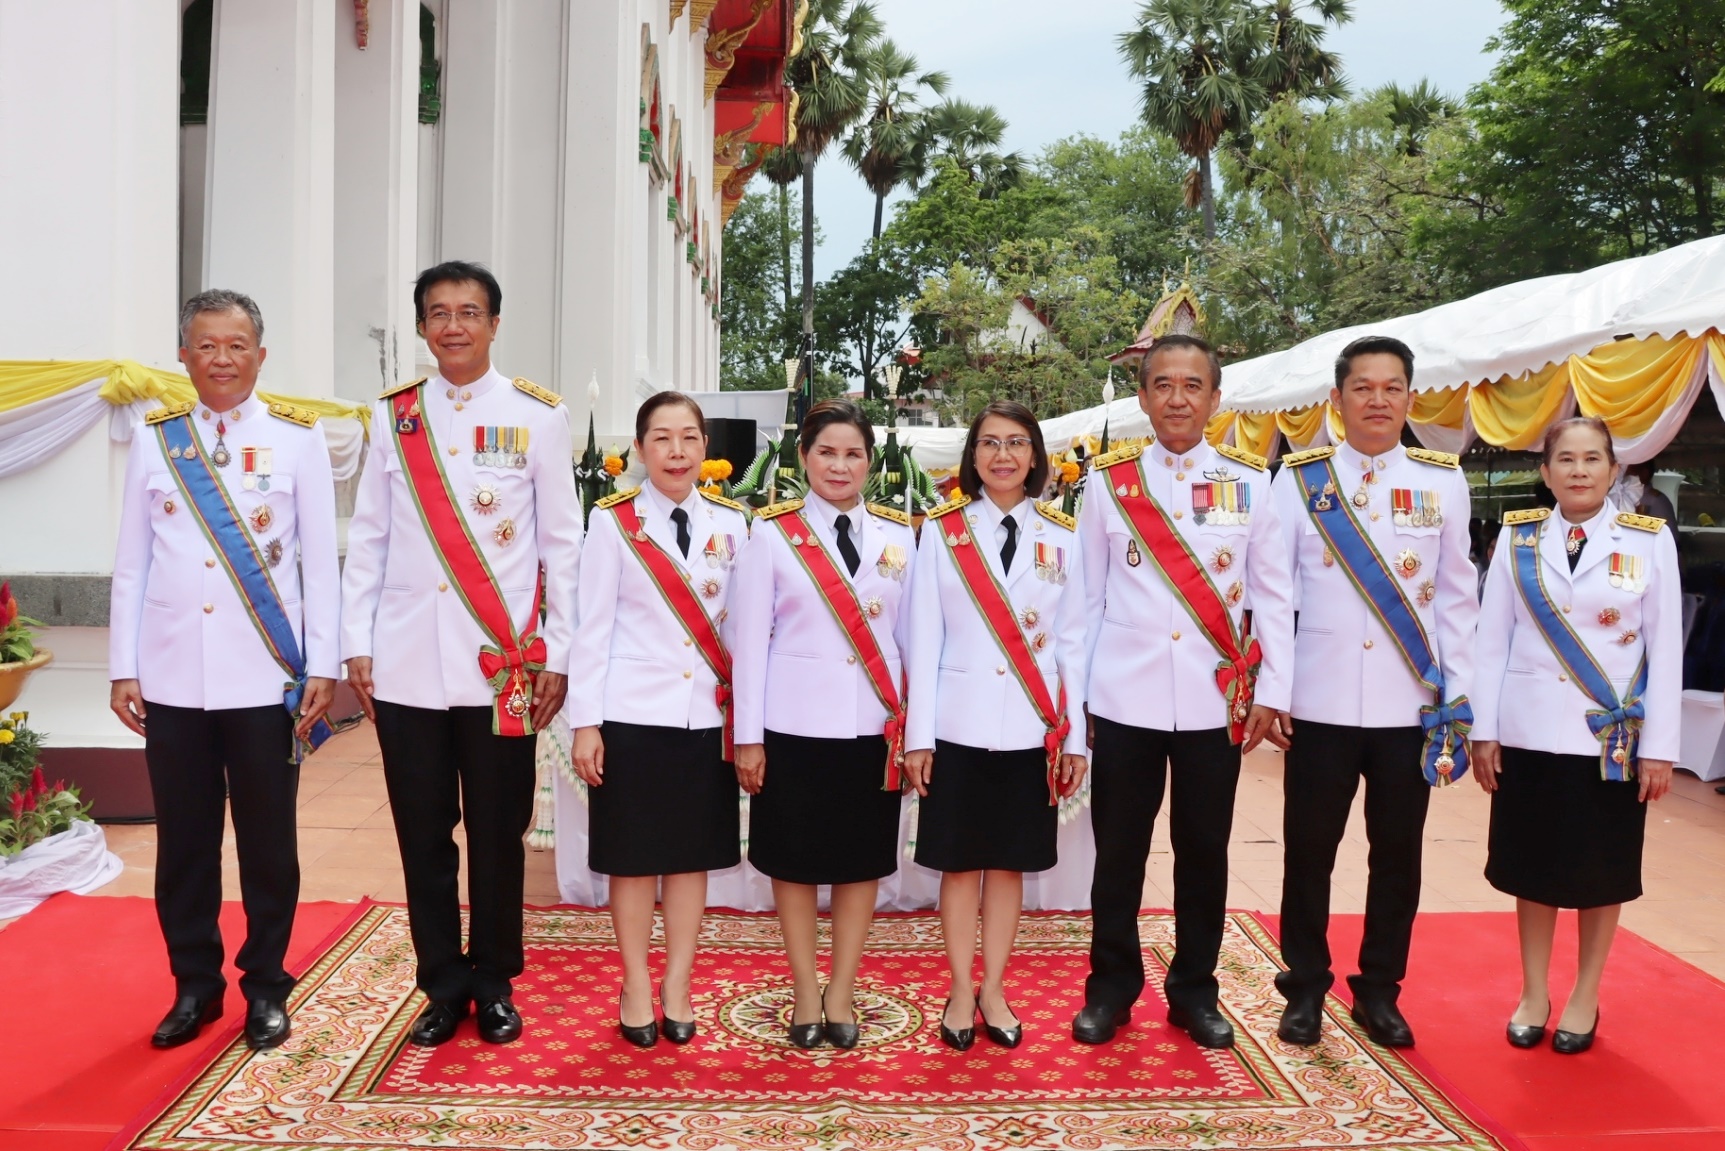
(846, 547)
(1010, 547)
(1573, 545)
(681, 519)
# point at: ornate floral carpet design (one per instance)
(349, 1079)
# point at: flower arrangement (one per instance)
(614, 464)
(33, 810)
(714, 473)
(17, 631)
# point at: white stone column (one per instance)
(376, 222)
(270, 207)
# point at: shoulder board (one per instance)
(1307, 456)
(1118, 455)
(887, 513)
(1441, 459)
(1525, 516)
(773, 511)
(616, 498)
(172, 411)
(399, 388)
(543, 395)
(958, 500)
(304, 417)
(716, 498)
(1241, 456)
(1640, 522)
(1055, 516)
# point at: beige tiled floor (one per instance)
(347, 850)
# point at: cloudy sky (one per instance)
(1053, 71)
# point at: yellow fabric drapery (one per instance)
(1630, 383)
(26, 382)
(1255, 432)
(1216, 428)
(1302, 425)
(1514, 413)
(1445, 407)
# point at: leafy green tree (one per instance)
(1131, 191)
(889, 144)
(753, 314)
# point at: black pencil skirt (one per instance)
(987, 811)
(821, 815)
(1561, 835)
(668, 803)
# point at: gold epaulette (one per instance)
(1525, 516)
(1640, 522)
(958, 500)
(1441, 459)
(543, 395)
(715, 497)
(172, 411)
(887, 513)
(1118, 455)
(1055, 516)
(773, 511)
(399, 388)
(1308, 456)
(1241, 456)
(304, 417)
(616, 498)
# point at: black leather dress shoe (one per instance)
(841, 1035)
(498, 1020)
(1004, 1036)
(808, 1036)
(1574, 1042)
(1204, 1024)
(1302, 1022)
(186, 1018)
(1383, 1023)
(436, 1024)
(1097, 1024)
(266, 1024)
(959, 1039)
(675, 1031)
(1527, 1034)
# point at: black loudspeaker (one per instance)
(731, 439)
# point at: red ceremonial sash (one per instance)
(673, 585)
(841, 599)
(996, 610)
(507, 664)
(1237, 674)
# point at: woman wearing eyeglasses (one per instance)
(996, 674)
(1576, 701)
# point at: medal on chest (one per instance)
(499, 447)
(256, 466)
(721, 551)
(1627, 572)
(1050, 563)
(892, 562)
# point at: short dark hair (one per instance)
(1555, 433)
(457, 272)
(826, 414)
(1374, 345)
(221, 300)
(644, 413)
(970, 479)
(1181, 340)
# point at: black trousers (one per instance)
(201, 762)
(1130, 773)
(1324, 769)
(444, 767)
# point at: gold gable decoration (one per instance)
(699, 10)
(722, 45)
(1178, 312)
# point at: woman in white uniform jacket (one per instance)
(977, 751)
(645, 707)
(813, 738)
(1569, 805)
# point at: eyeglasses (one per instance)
(1017, 445)
(468, 318)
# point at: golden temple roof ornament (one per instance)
(1177, 312)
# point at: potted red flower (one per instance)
(19, 655)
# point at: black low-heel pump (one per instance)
(1526, 1035)
(841, 1035)
(1005, 1036)
(1574, 1042)
(643, 1036)
(959, 1039)
(675, 1031)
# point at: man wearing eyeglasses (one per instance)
(466, 525)
(1179, 540)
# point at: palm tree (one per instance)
(888, 145)
(970, 135)
(1296, 62)
(1200, 62)
(783, 167)
(1414, 111)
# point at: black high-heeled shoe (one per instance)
(1528, 1034)
(676, 1031)
(841, 1035)
(643, 1036)
(960, 1039)
(1574, 1042)
(1005, 1036)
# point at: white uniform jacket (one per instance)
(634, 660)
(1522, 697)
(1348, 670)
(1150, 664)
(961, 689)
(795, 671)
(398, 607)
(176, 622)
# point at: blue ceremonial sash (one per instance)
(224, 527)
(1616, 724)
(1443, 758)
